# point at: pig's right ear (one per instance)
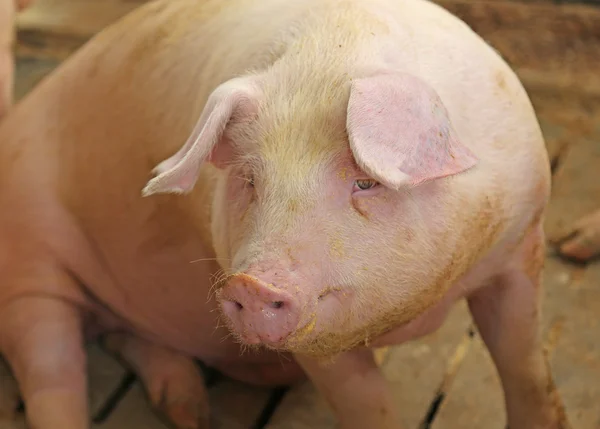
(178, 173)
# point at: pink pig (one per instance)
(349, 170)
(8, 10)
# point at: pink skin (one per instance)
(260, 311)
(274, 296)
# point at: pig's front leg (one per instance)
(355, 389)
(173, 381)
(41, 338)
(507, 313)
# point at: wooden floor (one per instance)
(446, 380)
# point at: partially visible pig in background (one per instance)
(349, 170)
(8, 10)
(582, 241)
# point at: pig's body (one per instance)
(82, 247)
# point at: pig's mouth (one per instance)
(319, 325)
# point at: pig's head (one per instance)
(330, 210)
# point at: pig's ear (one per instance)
(400, 132)
(178, 174)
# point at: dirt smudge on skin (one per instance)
(534, 257)
(501, 81)
(557, 403)
(343, 173)
(293, 205)
(336, 247)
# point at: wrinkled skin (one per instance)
(328, 185)
(8, 9)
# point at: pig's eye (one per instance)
(364, 184)
(250, 181)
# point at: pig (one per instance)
(299, 180)
(581, 242)
(8, 10)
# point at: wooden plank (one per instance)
(29, 72)
(572, 332)
(573, 296)
(104, 375)
(414, 370)
(566, 120)
(73, 18)
(10, 388)
(233, 405)
(419, 370)
(571, 329)
(562, 53)
(133, 412)
(475, 399)
(57, 28)
(19, 424)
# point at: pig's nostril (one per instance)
(277, 304)
(238, 305)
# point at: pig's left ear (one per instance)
(179, 173)
(400, 132)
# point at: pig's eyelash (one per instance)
(361, 185)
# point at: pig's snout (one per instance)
(257, 311)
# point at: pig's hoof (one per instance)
(190, 413)
(181, 400)
(173, 382)
(582, 242)
(9, 393)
